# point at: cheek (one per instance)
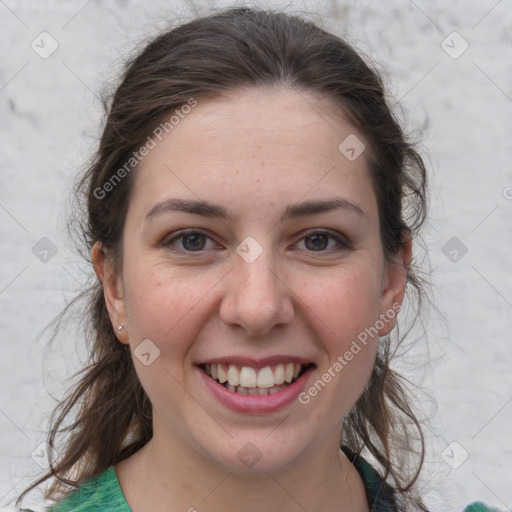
(344, 309)
(345, 301)
(167, 308)
(162, 302)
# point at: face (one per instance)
(251, 248)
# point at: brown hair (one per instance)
(204, 58)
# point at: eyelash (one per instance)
(167, 242)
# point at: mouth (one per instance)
(247, 380)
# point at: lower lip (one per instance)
(255, 404)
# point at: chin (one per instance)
(256, 455)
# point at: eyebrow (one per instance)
(207, 209)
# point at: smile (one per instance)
(247, 380)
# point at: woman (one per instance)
(251, 212)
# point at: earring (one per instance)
(120, 328)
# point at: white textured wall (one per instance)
(50, 116)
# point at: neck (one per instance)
(181, 478)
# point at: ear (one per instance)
(394, 283)
(113, 290)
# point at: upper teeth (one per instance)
(249, 377)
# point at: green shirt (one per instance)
(103, 493)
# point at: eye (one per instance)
(318, 241)
(187, 240)
(193, 240)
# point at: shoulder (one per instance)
(381, 496)
(478, 506)
(100, 493)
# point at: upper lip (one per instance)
(255, 362)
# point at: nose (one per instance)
(257, 298)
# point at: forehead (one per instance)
(255, 146)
